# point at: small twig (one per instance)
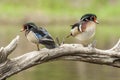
(116, 47)
(63, 40)
(57, 40)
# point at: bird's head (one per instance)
(89, 17)
(28, 26)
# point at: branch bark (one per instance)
(70, 52)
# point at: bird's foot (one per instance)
(93, 44)
(38, 49)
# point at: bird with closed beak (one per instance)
(84, 30)
(38, 35)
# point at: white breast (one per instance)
(32, 37)
(89, 33)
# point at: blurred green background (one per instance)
(57, 16)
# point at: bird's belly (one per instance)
(32, 37)
(89, 33)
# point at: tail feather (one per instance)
(51, 46)
(68, 36)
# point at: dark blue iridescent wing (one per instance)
(45, 38)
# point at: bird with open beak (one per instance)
(38, 35)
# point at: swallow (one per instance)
(85, 28)
(38, 35)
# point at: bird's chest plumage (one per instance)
(87, 33)
(31, 36)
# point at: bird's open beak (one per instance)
(97, 22)
(22, 30)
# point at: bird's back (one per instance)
(45, 38)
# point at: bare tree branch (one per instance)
(4, 52)
(72, 52)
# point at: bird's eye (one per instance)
(92, 18)
(27, 28)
